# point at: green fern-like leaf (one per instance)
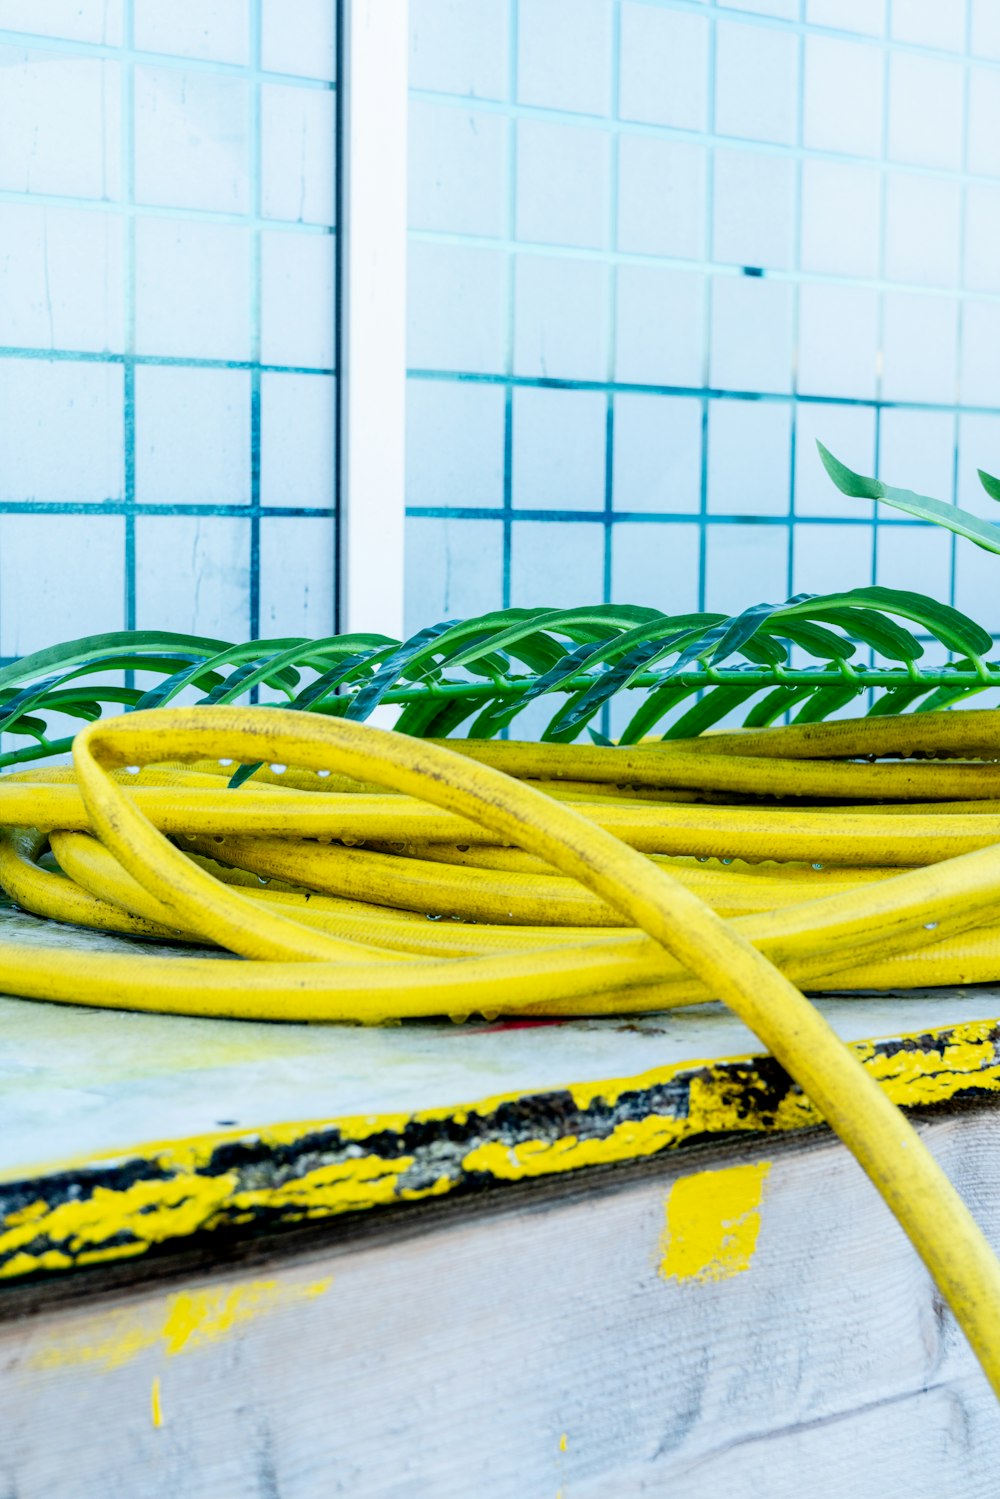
(657, 673)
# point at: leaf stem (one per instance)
(987, 675)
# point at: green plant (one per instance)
(480, 674)
(983, 533)
(674, 674)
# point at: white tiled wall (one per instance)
(167, 317)
(660, 247)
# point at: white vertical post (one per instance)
(373, 314)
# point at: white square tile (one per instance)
(920, 347)
(917, 451)
(59, 124)
(458, 48)
(864, 16)
(982, 235)
(660, 331)
(298, 305)
(976, 585)
(849, 433)
(560, 318)
(564, 54)
(61, 576)
(62, 275)
(783, 10)
(457, 169)
(657, 453)
(985, 41)
(661, 197)
(922, 229)
(207, 589)
(980, 363)
(754, 212)
(664, 66)
(831, 559)
(559, 443)
(841, 217)
(757, 82)
(297, 577)
(751, 333)
(299, 37)
(192, 289)
(749, 457)
(192, 436)
(579, 577)
(456, 308)
(298, 439)
(298, 153)
(216, 30)
(84, 404)
(656, 567)
(74, 20)
(925, 110)
(984, 121)
(838, 340)
(454, 569)
(192, 140)
(929, 23)
(916, 558)
(843, 97)
(978, 448)
(562, 184)
(745, 564)
(454, 442)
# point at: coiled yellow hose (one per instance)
(573, 899)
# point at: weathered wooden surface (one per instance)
(122, 1132)
(741, 1312)
(534, 1343)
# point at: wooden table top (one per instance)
(120, 1131)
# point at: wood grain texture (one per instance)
(99, 1209)
(122, 1132)
(526, 1351)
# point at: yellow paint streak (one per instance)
(563, 1442)
(715, 1105)
(723, 1096)
(147, 1211)
(626, 1142)
(713, 1220)
(928, 1075)
(154, 1400)
(185, 1321)
(365, 1182)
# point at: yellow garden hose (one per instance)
(606, 907)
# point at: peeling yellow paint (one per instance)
(148, 1211)
(927, 1075)
(364, 1182)
(187, 1320)
(156, 1409)
(713, 1220)
(184, 1194)
(31, 1213)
